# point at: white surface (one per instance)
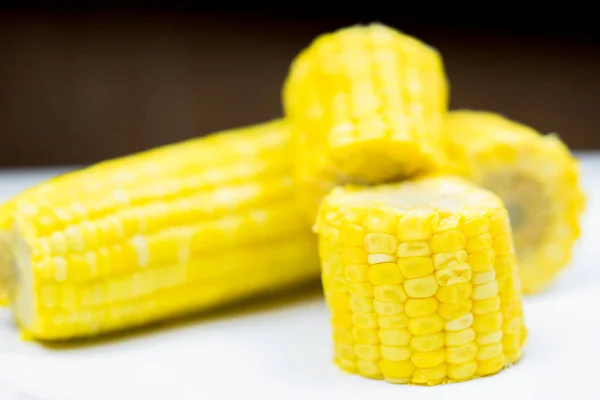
(285, 352)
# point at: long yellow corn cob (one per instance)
(537, 178)
(421, 281)
(366, 103)
(158, 234)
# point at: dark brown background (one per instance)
(77, 86)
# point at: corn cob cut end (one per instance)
(421, 281)
(536, 177)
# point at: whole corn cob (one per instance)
(535, 176)
(158, 234)
(421, 281)
(365, 103)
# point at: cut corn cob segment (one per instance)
(366, 104)
(421, 281)
(158, 234)
(535, 176)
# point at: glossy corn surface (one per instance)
(163, 233)
(536, 177)
(421, 281)
(365, 103)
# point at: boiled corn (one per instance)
(421, 281)
(538, 180)
(365, 103)
(158, 234)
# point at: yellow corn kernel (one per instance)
(368, 368)
(352, 235)
(416, 267)
(425, 325)
(419, 288)
(394, 337)
(354, 255)
(399, 353)
(165, 232)
(440, 316)
(454, 310)
(385, 274)
(393, 321)
(381, 220)
(415, 226)
(491, 366)
(429, 376)
(390, 293)
(367, 352)
(479, 243)
(429, 359)
(421, 307)
(536, 177)
(425, 343)
(458, 338)
(381, 243)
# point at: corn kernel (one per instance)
(416, 267)
(415, 226)
(413, 249)
(394, 337)
(365, 335)
(458, 338)
(447, 222)
(489, 338)
(396, 369)
(489, 351)
(367, 352)
(454, 293)
(502, 244)
(425, 343)
(367, 320)
(354, 255)
(453, 275)
(454, 310)
(338, 300)
(491, 366)
(461, 354)
(399, 353)
(482, 261)
(421, 287)
(429, 376)
(344, 350)
(486, 306)
(393, 321)
(347, 365)
(361, 304)
(381, 243)
(447, 241)
(485, 290)
(459, 323)
(380, 258)
(386, 308)
(445, 260)
(385, 274)
(421, 307)
(488, 322)
(461, 372)
(368, 368)
(390, 293)
(425, 325)
(360, 289)
(476, 226)
(352, 235)
(483, 277)
(357, 273)
(479, 243)
(429, 359)
(381, 220)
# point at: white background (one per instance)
(281, 348)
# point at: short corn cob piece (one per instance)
(158, 234)
(366, 104)
(536, 177)
(421, 281)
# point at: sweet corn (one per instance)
(158, 234)
(433, 311)
(366, 104)
(537, 178)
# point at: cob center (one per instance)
(528, 206)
